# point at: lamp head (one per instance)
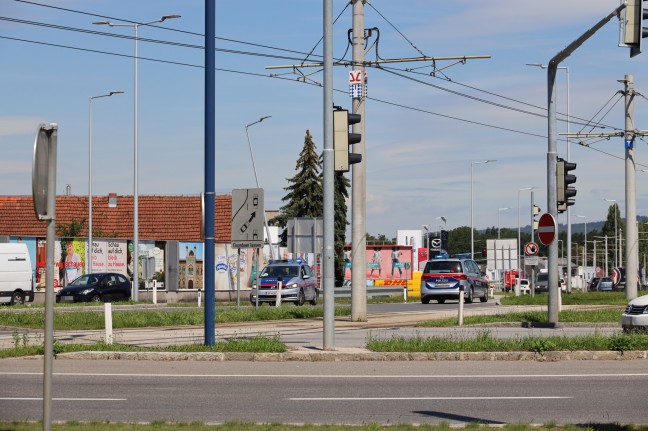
(165, 17)
(103, 23)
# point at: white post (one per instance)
(154, 291)
(108, 322)
(461, 305)
(278, 302)
(199, 297)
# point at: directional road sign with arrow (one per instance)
(247, 218)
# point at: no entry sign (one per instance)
(547, 229)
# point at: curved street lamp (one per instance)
(89, 255)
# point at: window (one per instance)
(443, 266)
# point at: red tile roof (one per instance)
(161, 218)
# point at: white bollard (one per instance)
(278, 301)
(108, 322)
(199, 297)
(405, 293)
(461, 305)
(154, 292)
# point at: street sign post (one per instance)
(531, 249)
(247, 218)
(547, 229)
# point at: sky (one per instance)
(424, 130)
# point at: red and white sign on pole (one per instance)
(357, 83)
(547, 229)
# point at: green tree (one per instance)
(305, 194)
(341, 186)
(608, 229)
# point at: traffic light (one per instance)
(536, 211)
(564, 179)
(633, 29)
(342, 139)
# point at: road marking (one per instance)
(327, 376)
(426, 398)
(63, 399)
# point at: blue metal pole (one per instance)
(210, 174)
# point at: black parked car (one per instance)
(104, 286)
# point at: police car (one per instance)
(294, 280)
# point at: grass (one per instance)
(248, 426)
(575, 298)
(35, 319)
(254, 344)
(588, 316)
(485, 342)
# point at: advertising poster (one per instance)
(99, 256)
(70, 259)
(385, 262)
(116, 253)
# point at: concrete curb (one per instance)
(350, 355)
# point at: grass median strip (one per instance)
(612, 315)
(155, 318)
(485, 342)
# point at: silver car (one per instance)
(442, 278)
(635, 315)
(294, 277)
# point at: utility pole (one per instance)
(359, 178)
(328, 328)
(358, 192)
(632, 243)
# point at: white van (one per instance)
(16, 281)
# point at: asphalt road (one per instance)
(593, 392)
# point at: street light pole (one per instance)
(569, 262)
(427, 237)
(616, 237)
(519, 228)
(499, 210)
(472, 228)
(584, 243)
(256, 178)
(135, 26)
(89, 255)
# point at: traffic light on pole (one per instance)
(564, 179)
(342, 139)
(633, 29)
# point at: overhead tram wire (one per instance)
(275, 77)
(312, 83)
(283, 49)
(303, 77)
(191, 33)
(142, 39)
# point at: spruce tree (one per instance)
(305, 194)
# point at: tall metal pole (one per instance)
(135, 153)
(552, 207)
(519, 247)
(328, 260)
(48, 356)
(359, 178)
(569, 227)
(210, 171)
(256, 178)
(135, 186)
(89, 255)
(632, 251)
(472, 223)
